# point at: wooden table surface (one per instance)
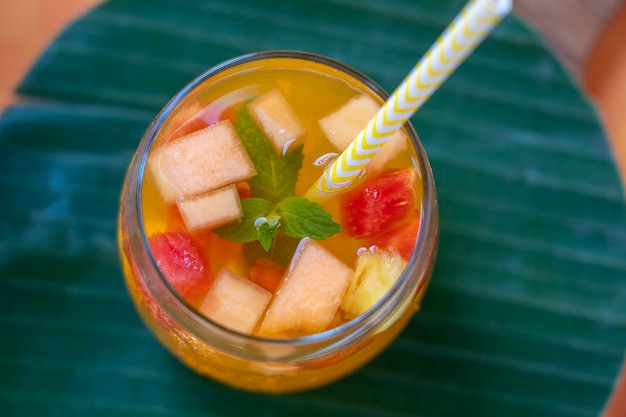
(588, 37)
(571, 27)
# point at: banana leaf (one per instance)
(526, 312)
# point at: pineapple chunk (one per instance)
(375, 273)
(310, 294)
(342, 126)
(210, 210)
(204, 160)
(235, 302)
(276, 118)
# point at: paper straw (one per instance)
(461, 37)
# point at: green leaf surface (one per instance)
(245, 229)
(266, 237)
(276, 174)
(526, 311)
(304, 218)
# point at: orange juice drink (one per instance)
(239, 275)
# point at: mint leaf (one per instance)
(301, 217)
(266, 237)
(276, 174)
(266, 229)
(293, 163)
(245, 229)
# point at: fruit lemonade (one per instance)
(227, 223)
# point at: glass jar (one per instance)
(246, 361)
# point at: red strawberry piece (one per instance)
(183, 264)
(401, 239)
(379, 203)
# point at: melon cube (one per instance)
(311, 293)
(276, 118)
(342, 126)
(204, 160)
(235, 302)
(210, 210)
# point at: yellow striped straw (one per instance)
(460, 38)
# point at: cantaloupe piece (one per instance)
(310, 294)
(212, 209)
(276, 118)
(204, 160)
(342, 127)
(235, 302)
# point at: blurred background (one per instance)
(26, 28)
(586, 35)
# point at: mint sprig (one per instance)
(297, 216)
(276, 174)
(245, 230)
(274, 213)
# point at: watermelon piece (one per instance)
(379, 203)
(182, 262)
(402, 239)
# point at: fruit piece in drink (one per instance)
(276, 118)
(310, 293)
(235, 302)
(186, 121)
(317, 290)
(182, 262)
(375, 273)
(379, 203)
(210, 210)
(201, 161)
(342, 126)
(401, 239)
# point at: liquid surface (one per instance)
(312, 95)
